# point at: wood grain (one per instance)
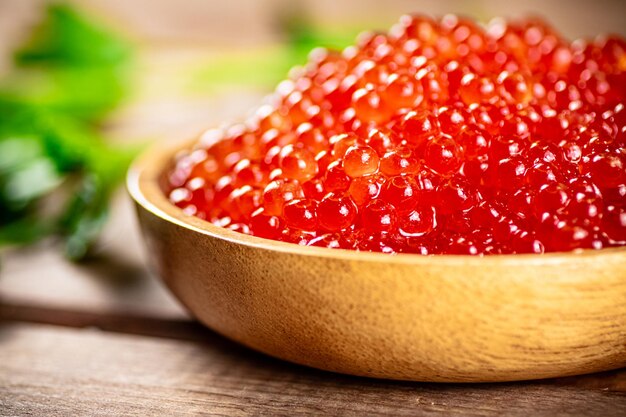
(411, 317)
(118, 322)
(58, 372)
(115, 279)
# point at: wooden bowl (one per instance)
(411, 317)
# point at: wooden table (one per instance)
(105, 338)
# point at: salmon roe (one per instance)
(438, 137)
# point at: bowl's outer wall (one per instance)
(430, 321)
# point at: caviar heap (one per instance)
(439, 137)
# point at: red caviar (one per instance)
(437, 137)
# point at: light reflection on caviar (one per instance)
(438, 137)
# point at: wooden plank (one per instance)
(128, 323)
(57, 371)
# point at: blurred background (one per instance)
(85, 84)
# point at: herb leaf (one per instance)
(68, 76)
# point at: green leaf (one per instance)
(30, 181)
(17, 151)
(85, 215)
(64, 140)
(24, 231)
(68, 38)
(268, 66)
(86, 93)
(261, 68)
(70, 65)
(69, 75)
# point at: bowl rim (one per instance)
(143, 184)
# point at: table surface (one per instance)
(105, 338)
